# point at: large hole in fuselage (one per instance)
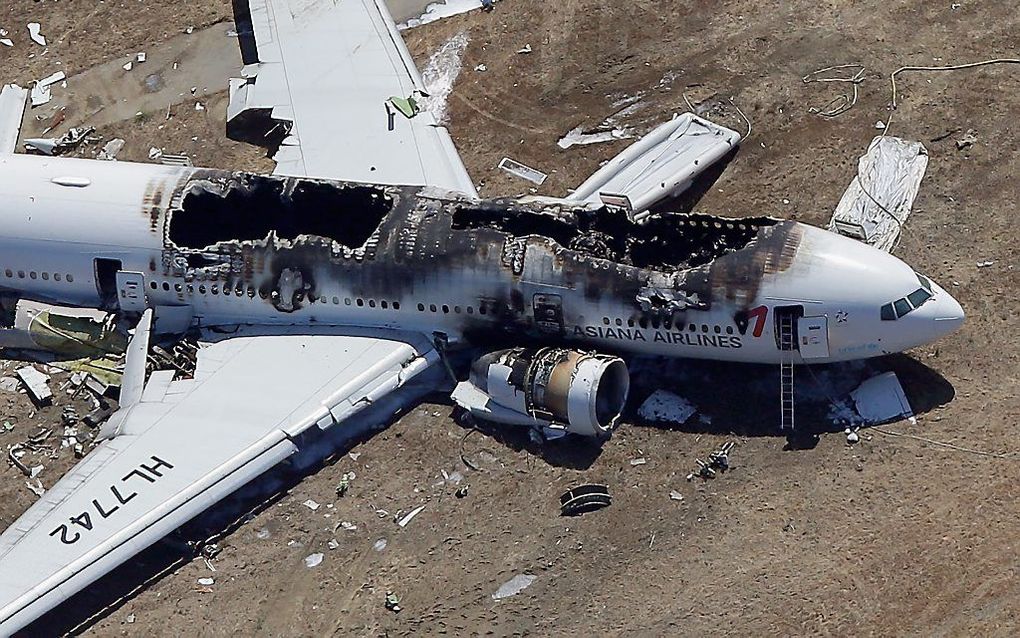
(250, 207)
(663, 241)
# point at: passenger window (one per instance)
(643, 322)
(471, 310)
(336, 301)
(396, 305)
(360, 302)
(432, 307)
(371, 303)
(619, 321)
(421, 307)
(21, 274)
(56, 276)
(70, 278)
(32, 275)
(446, 309)
(178, 287)
(9, 272)
(717, 329)
(46, 276)
(383, 304)
(201, 289)
(902, 307)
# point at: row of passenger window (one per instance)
(251, 291)
(667, 325)
(45, 276)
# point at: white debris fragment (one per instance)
(880, 125)
(675, 496)
(354, 455)
(206, 581)
(53, 78)
(313, 560)
(40, 94)
(524, 50)
(7, 42)
(379, 545)
(36, 471)
(985, 264)
(36, 488)
(881, 399)
(140, 57)
(333, 544)
(155, 153)
(9, 384)
(639, 461)
(514, 586)
(852, 437)
(35, 32)
(440, 74)
(36, 384)
(310, 504)
(481, 67)
(577, 137)
(665, 407)
(410, 516)
(199, 106)
(349, 526)
(111, 149)
(128, 66)
(524, 172)
(263, 533)
(130, 619)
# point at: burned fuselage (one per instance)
(244, 248)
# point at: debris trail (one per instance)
(958, 448)
(955, 67)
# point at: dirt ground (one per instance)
(893, 536)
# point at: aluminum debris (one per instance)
(206, 581)
(312, 505)
(662, 164)
(313, 560)
(881, 399)
(514, 586)
(878, 201)
(56, 146)
(585, 498)
(577, 137)
(37, 385)
(410, 516)
(665, 407)
(12, 112)
(111, 149)
(524, 172)
(35, 32)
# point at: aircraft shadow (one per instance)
(686, 201)
(743, 399)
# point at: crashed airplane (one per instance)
(322, 289)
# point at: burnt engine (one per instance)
(581, 393)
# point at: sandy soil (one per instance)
(893, 536)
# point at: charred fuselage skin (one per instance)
(238, 248)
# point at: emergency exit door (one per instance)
(813, 333)
(131, 291)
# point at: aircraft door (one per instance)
(548, 313)
(131, 291)
(814, 337)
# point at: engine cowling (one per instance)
(582, 392)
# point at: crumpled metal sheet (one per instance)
(881, 195)
(12, 111)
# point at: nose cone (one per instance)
(942, 315)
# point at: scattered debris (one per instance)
(639, 461)
(410, 516)
(524, 172)
(332, 544)
(585, 498)
(263, 533)
(206, 581)
(514, 586)
(524, 50)
(130, 619)
(313, 560)
(129, 66)
(880, 125)
(111, 149)
(675, 496)
(155, 153)
(985, 264)
(37, 385)
(879, 199)
(56, 146)
(842, 103)
(392, 602)
(481, 67)
(347, 525)
(577, 137)
(7, 42)
(407, 106)
(36, 488)
(461, 492)
(969, 139)
(199, 106)
(35, 32)
(881, 399)
(140, 57)
(310, 504)
(379, 545)
(852, 436)
(665, 407)
(12, 113)
(345, 483)
(718, 461)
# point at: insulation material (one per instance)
(881, 399)
(12, 111)
(878, 200)
(662, 164)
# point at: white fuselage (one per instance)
(64, 224)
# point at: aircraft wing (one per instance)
(187, 444)
(324, 72)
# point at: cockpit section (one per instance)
(905, 305)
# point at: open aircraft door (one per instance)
(814, 337)
(131, 291)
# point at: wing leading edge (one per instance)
(186, 445)
(317, 79)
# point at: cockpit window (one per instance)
(888, 314)
(924, 282)
(902, 307)
(918, 297)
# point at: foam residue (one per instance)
(440, 74)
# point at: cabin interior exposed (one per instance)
(250, 207)
(663, 241)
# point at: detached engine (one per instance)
(582, 393)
